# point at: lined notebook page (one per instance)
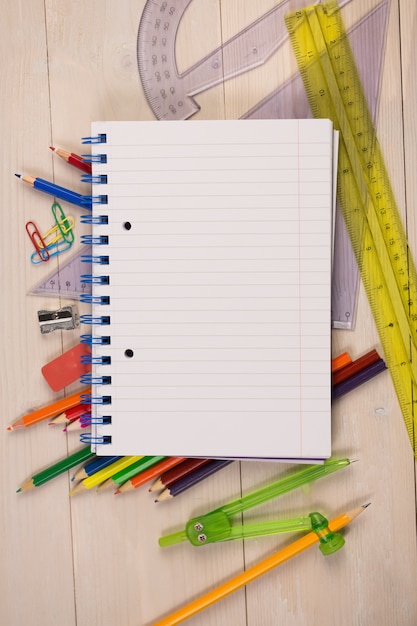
(220, 265)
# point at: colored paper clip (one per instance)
(66, 233)
(60, 231)
(217, 525)
(53, 249)
(36, 238)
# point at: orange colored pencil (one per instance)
(255, 571)
(51, 410)
(340, 361)
(151, 473)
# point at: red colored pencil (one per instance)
(71, 415)
(152, 472)
(73, 159)
(180, 471)
(355, 367)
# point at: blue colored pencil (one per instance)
(55, 190)
(94, 466)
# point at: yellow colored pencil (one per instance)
(254, 572)
(104, 474)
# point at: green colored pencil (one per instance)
(58, 468)
(127, 473)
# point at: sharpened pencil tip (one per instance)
(18, 175)
(18, 490)
(52, 148)
(365, 506)
(116, 493)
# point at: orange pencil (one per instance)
(152, 472)
(340, 361)
(51, 410)
(255, 571)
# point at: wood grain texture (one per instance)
(94, 560)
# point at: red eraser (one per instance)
(66, 368)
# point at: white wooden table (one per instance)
(93, 560)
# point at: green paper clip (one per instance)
(217, 524)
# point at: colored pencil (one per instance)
(180, 471)
(340, 361)
(192, 479)
(73, 159)
(78, 424)
(51, 410)
(127, 473)
(97, 464)
(150, 473)
(58, 468)
(71, 414)
(104, 474)
(355, 366)
(55, 190)
(254, 572)
(358, 379)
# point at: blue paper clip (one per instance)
(54, 249)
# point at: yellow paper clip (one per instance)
(60, 231)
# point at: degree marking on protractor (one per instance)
(170, 94)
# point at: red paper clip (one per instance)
(37, 240)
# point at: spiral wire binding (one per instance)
(94, 179)
(101, 138)
(89, 359)
(88, 298)
(86, 419)
(94, 158)
(94, 379)
(92, 279)
(88, 398)
(89, 200)
(103, 320)
(97, 259)
(90, 240)
(94, 219)
(90, 439)
(89, 340)
(89, 379)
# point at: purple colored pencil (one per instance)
(192, 479)
(358, 379)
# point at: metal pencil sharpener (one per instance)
(66, 318)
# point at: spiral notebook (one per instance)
(211, 288)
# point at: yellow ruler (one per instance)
(365, 194)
